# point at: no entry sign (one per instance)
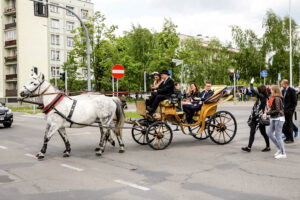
(118, 71)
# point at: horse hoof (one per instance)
(66, 154)
(97, 149)
(98, 154)
(121, 151)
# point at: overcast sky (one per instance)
(206, 17)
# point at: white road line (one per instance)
(29, 155)
(3, 147)
(132, 185)
(71, 167)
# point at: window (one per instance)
(70, 26)
(54, 9)
(10, 35)
(70, 8)
(84, 14)
(54, 55)
(55, 23)
(40, 9)
(55, 71)
(54, 39)
(70, 42)
(68, 55)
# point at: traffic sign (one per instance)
(237, 75)
(118, 71)
(279, 76)
(264, 73)
(178, 62)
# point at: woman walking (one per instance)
(277, 120)
(257, 112)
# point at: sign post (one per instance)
(264, 74)
(117, 72)
(279, 77)
(179, 62)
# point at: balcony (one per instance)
(10, 44)
(10, 60)
(11, 93)
(11, 78)
(10, 25)
(10, 11)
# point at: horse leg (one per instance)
(50, 130)
(120, 140)
(63, 135)
(99, 150)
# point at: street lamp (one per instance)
(86, 34)
(291, 68)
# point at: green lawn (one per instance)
(25, 109)
(132, 115)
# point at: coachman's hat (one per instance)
(165, 72)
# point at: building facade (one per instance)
(35, 35)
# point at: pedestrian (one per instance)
(277, 120)
(257, 112)
(289, 104)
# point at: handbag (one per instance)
(265, 121)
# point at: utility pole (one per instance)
(86, 34)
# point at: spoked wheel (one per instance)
(139, 133)
(222, 127)
(194, 130)
(159, 135)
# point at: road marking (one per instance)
(71, 167)
(132, 185)
(29, 155)
(3, 147)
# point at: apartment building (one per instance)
(35, 35)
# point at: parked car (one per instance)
(6, 116)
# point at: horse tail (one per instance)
(119, 114)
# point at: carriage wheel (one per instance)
(139, 134)
(159, 135)
(194, 130)
(222, 127)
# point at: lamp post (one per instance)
(291, 63)
(86, 34)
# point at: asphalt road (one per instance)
(187, 169)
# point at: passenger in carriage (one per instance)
(164, 90)
(192, 92)
(179, 96)
(157, 81)
(197, 102)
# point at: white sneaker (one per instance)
(279, 156)
(277, 153)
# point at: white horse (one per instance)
(61, 111)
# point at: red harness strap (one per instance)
(53, 103)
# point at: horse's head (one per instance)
(33, 86)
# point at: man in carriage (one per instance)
(164, 91)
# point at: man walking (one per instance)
(289, 103)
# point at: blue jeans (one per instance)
(276, 126)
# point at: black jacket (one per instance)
(276, 108)
(204, 95)
(260, 105)
(166, 88)
(289, 99)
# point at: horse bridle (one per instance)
(38, 87)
